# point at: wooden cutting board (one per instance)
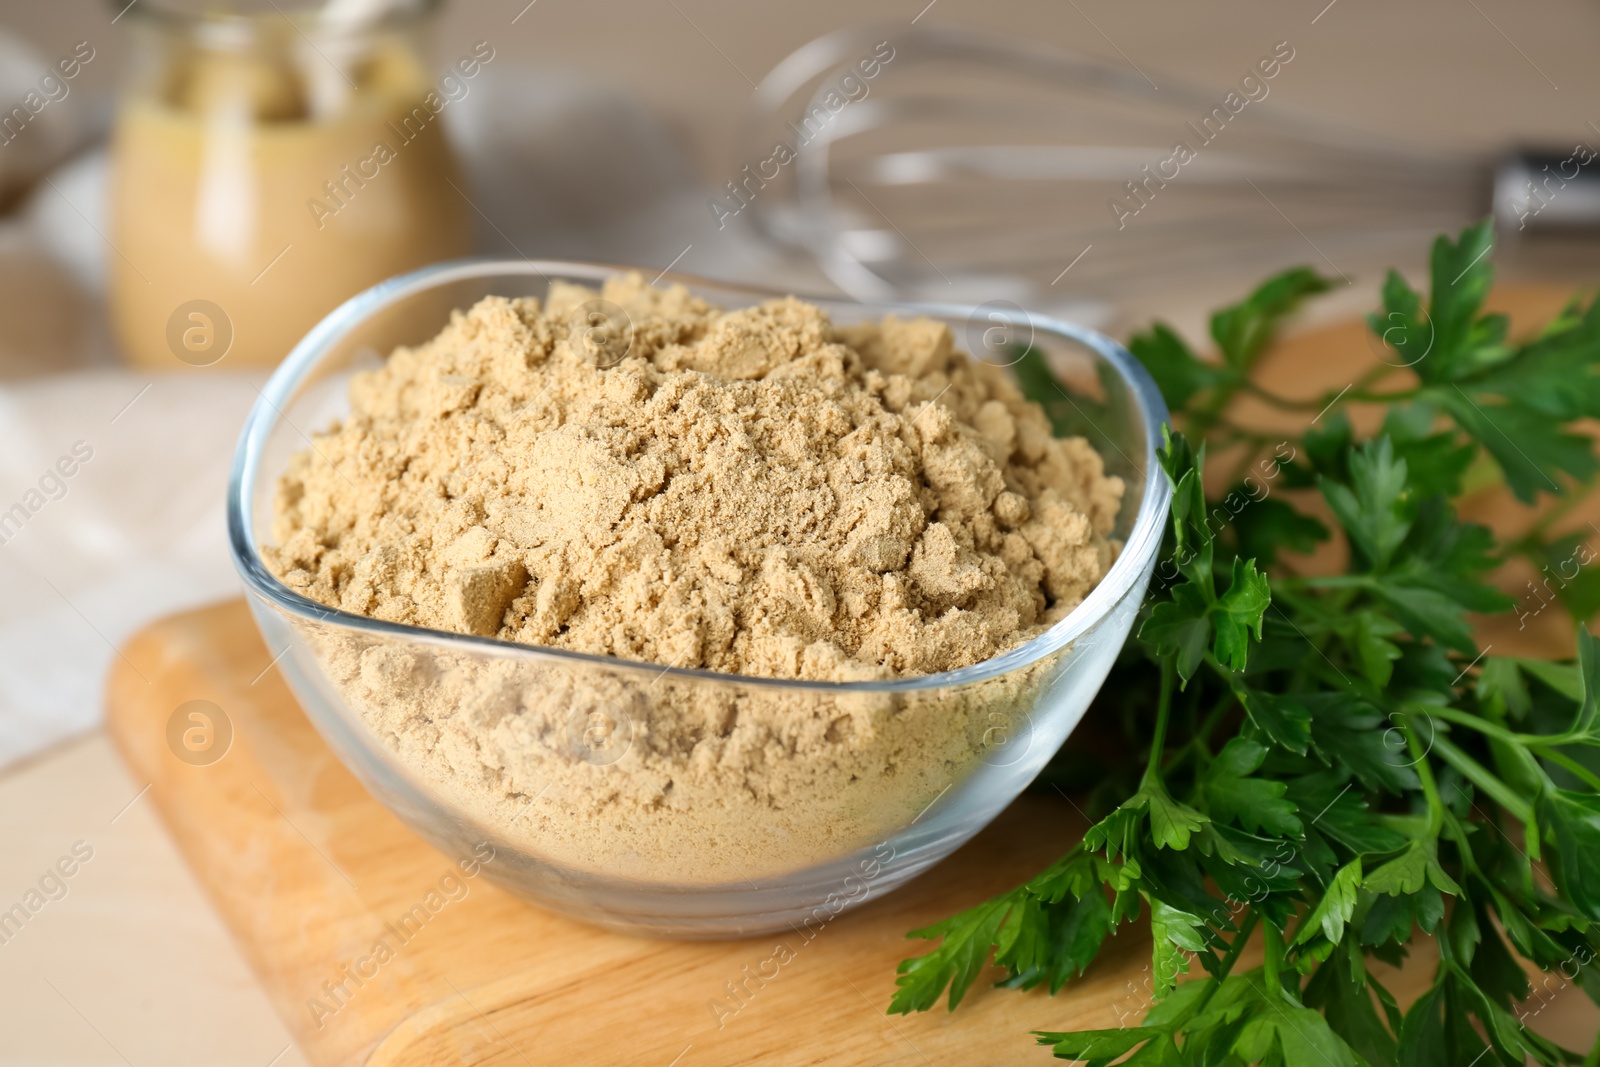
(309, 872)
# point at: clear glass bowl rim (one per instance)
(1143, 541)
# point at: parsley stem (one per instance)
(1272, 961)
(1199, 741)
(1214, 716)
(1479, 776)
(1158, 739)
(1430, 786)
(1558, 757)
(1204, 420)
(1246, 926)
(1468, 861)
(1484, 726)
(1229, 434)
(1374, 376)
(1327, 581)
(1355, 394)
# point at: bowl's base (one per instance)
(802, 904)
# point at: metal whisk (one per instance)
(952, 165)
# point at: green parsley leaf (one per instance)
(1529, 447)
(1171, 823)
(1178, 372)
(1373, 509)
(1557, 374)
(1347, 1005)
(1435, 462)
(1573, 820)
(1461, 275)
(1300, 1037)
(1243, 330)
(963, 952)
(1268, 526)
(1426, 611)
(1238, 614)
(1176, 933)
(1370, 634)
(1567, 568)
(1408, 872)
(1284, 719)
(1257, 804)
(1096, 1048)
(1355, 733)
(1390, 918)
(1180, 628)
(1338, 903)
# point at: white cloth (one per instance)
(134, 533)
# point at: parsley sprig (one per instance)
(1327, 765)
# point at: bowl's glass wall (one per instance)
(671, 801)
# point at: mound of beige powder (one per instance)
(752, 491)
(756, 491)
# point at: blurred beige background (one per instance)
(131, 967)
(1452, 73)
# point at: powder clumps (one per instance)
(756, 491)
(762, 491)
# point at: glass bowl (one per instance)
(792, 800)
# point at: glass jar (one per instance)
(266, 166)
